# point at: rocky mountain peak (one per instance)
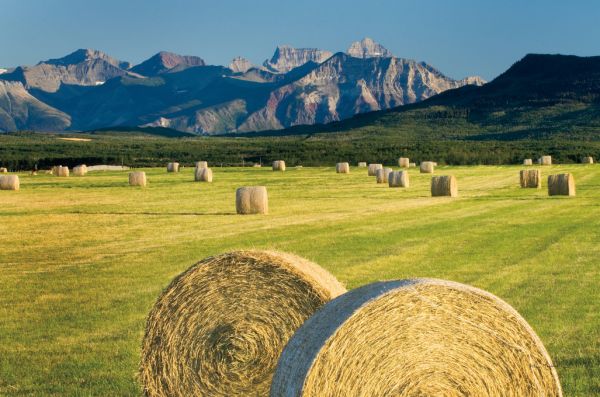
(287, 58)
(84, 55)
(368, 48)
(165, 61)
(240, 65)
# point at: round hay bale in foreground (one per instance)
(382, 175)
(172, 167)
(3, 170)
(219, 328)
(587, 160)
(203, 175)
(342, 168)
(427, 167)
(372, 170)
(362, 164)
(561, 185)
(252, 200)
(398, 179)
(137, 178)
(201, 164)
(62, 172)
(546, 160)
(531, 178)
(528, 162)
(404, 162)
(9, 182)
(418, 337)
(444, 185)
(278, 165)
(80, 170)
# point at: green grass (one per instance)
(83, 259)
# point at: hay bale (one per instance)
(372, 170)
(9, 182)
(587, 160)
(528, 162)
(561, 185)
(416, 337)
(80, 170)
(201, 164)
(203, 175)
(531, 178)
(546, 160)
(3, 170)
(398, 179)
(444, 185)
(137, 178)
(435, 164)
(62, 172)
(382, 175)
(279, 165)
(252, 200)
(412, 165)
(342, 168)
(257, 165)
(362, 164)
(220, 327)
(172, 167)
(404, 162)
(427, 167)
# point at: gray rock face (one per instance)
(367, 48)
(287, 58)
(240, 65)
(165, 62)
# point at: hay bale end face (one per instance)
(587, 160)
(561, 185)
(404, 162)
(172, 167)
(201, 164)
(3, 170)
(398, 179)
(372, 170)
(62, 172)
(220, 327)
(278, 165)
(137, 178)
(362, 164)
(528, 162)
(342, 168)
(427, 167)
(546, 160)
(9, 182)
(382, 175)
(203, 175)
(252, 200)
(417, 337)
(531, 178)
(444, 185)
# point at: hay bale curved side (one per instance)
(62, 172)
(587, 160)
(382, 175)
(530, 178)
(137, 178)
(372, 169)
(251, 200)
(444, 185)
(219, 328)
(415, 337)
(362, 164)
(404, 162)
(561, 185)
(427, 167)
(342, 168)
(10, 182)
(545, 160)
(201, 164)
(172, 167)
(398, 179)
(278, 165)
(528, 162)
(203, 175)
(80, 170)
(3, 170)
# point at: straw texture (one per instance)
(419, 337)
(252, 200)
(219, 328)
(404, 162)
(427, 167)
(546, 160)
(372, 170)
(278, 165)
(561, 185)
(362, 164)
(9, 182)
(172, 167)
(342, 168)
(62, 172)
(201, 164)
(531, 178)
(137, 178)
(381, 175)
(203, 175)
(398, 179)
(587, 160)
(444, 185)
(528, 162)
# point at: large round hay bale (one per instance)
(252, 200)
(362, 164)
(278, 165)
(342, 168)
(9, 182)
(561, 185)
(201, 164)
(546, 160)
(372, 170)
(80, 170)
(528, 162)
(404, 162)
(398, 179)
(418, 337)
(444, 185)
(62, 172)
(427, 167)
(382, 175)
(220, 327)
(203, 175)
(531, 178)
(137, 178)
(172, 167)
(3, 170)
(587, 160)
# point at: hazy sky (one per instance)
(460, 38)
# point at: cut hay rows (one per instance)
(9, 182)
(251, 200)
(587, 160)
(561, 185)
(278, 165)
(201, 164)
(531, 178)
(404, 162)
(398, 179)
(62, 172)
(342, 168)
(137, 178)
(528, 162)
(427, 167)
(172, 167)
(362, 164)
(545, 160)
(80, 170)
(3, 170)
(203, 175)
(418, 337)
(382, 174)
(372, 170)
(219, 328)
(444, 185)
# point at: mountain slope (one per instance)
(287, 58)
(164, 62)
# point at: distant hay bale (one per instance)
(3, 170)
(252, 200)
(416, 337)
(362, 164)
(528, 162)
(201, 164)
(54, 170)
(427, 167)
(219, 328)
(561, 185)
(382, 175)
(80, 170)
(398, 179)
(279, 165)
(372, 170)
(587, 160)
(531, 178)
(435, 164)
(9, 182)
(62, 171)
(412, 165)
(203, 175)
(546, 160)
(342, 168)
(137, 178)
(172, 167)
(404, 162)
(444, 185)
(257, 165)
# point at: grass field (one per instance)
(82, 259)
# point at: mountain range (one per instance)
(297, 86)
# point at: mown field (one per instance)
(82, 259)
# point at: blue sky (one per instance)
(460, 38)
